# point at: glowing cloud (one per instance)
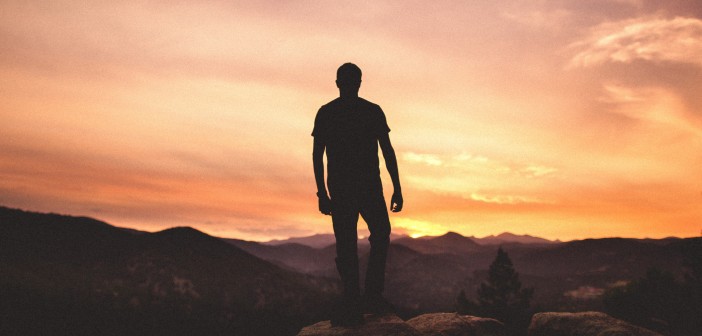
(650, 39)
(652, 105)
(476, 177)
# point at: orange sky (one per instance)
(562, 119)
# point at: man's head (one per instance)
(348, 78)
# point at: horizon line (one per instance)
(360, 237)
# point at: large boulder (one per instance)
(583, 324)
(374, 326)
(453, 324)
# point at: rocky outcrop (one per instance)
(374, 326)
(583, 324)
(453, 324)
(437, 324)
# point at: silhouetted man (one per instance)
(350, 128)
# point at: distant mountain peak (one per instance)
(318, 240)
(179, 229)
(452, 234)
(508, 237)
(450, 242)
(453, 237)
(183, 232)
(509, 234)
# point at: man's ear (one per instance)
(337, 83)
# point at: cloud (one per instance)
(537, 171)
(505, 199)
(477, 178)
(652, 105)
(676, 40)
(428, 159)
(152, 196)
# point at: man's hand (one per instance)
(324, 204)
(396, 202)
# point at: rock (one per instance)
(374, 326)
(583, 324)
(437, 324)
(453, 324)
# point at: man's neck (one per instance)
(348, 94)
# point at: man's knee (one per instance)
(380, 234)
(346, 243)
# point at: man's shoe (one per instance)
(377, 305)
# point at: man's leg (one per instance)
(345, 223)
(375, 213)
(345, 220)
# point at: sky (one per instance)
(561, 119)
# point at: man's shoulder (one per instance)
(368, 104)
(338, 102)
(329, 106)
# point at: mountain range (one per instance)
(83, 276)
(321, 240)
(425, 274)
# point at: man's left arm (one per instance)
(396, 201)
(318, 165)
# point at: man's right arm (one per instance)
(396, 201)
(318, 164)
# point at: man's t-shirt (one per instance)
(350, 128)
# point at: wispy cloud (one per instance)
(477, 177)
(650, 39)
(653, 105)
(429, 159)
(505, 199)
(538, 170)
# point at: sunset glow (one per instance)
(563, 120)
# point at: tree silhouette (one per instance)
(661, 302)
(502, 296)
(656, 301)
(465, 306)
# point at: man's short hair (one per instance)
(348, 73)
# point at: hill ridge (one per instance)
(112, 279)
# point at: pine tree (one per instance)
(502, 296)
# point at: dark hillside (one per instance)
(80, 276)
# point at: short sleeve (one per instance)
(320, 127)
(381, 126)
